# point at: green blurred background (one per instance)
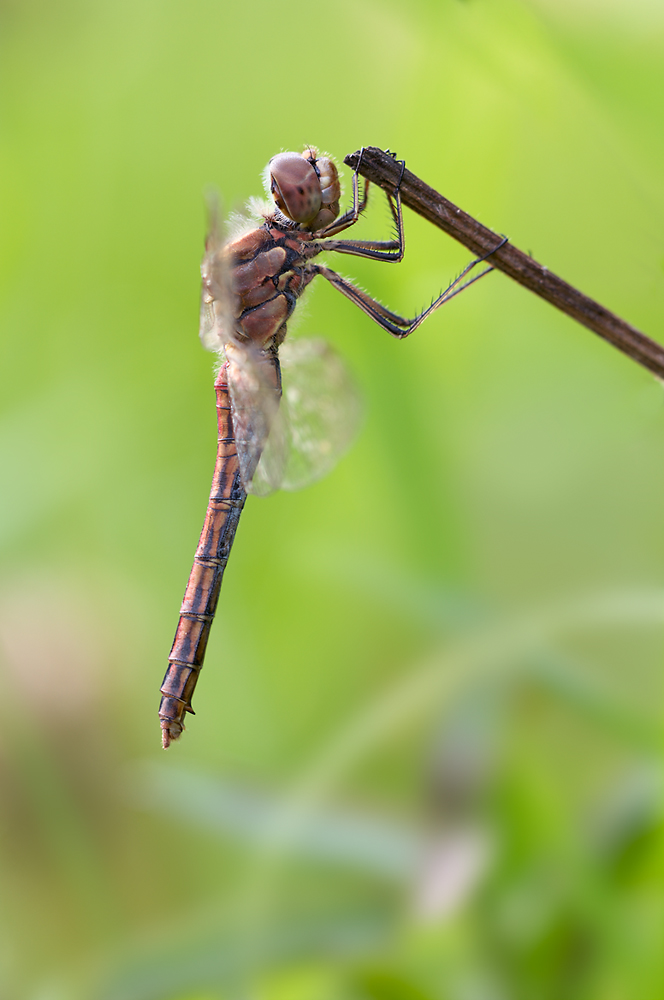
(425, 760)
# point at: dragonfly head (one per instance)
(305, 188)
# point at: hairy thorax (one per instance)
(268, 272)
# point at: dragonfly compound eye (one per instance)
(295, 187)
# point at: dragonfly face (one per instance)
(305, 188)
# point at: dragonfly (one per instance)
(251, 286)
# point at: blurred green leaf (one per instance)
(382, 984)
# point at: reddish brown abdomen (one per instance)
(227, 499)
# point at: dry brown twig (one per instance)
(384, 170)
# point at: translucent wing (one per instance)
(318, 418)
(254, 379)
(216, 322)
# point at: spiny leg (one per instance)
(394, 324)
(389, 250)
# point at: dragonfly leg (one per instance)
(394, 324)
(389, 250)
(389, 320)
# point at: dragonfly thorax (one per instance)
(305, 188)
